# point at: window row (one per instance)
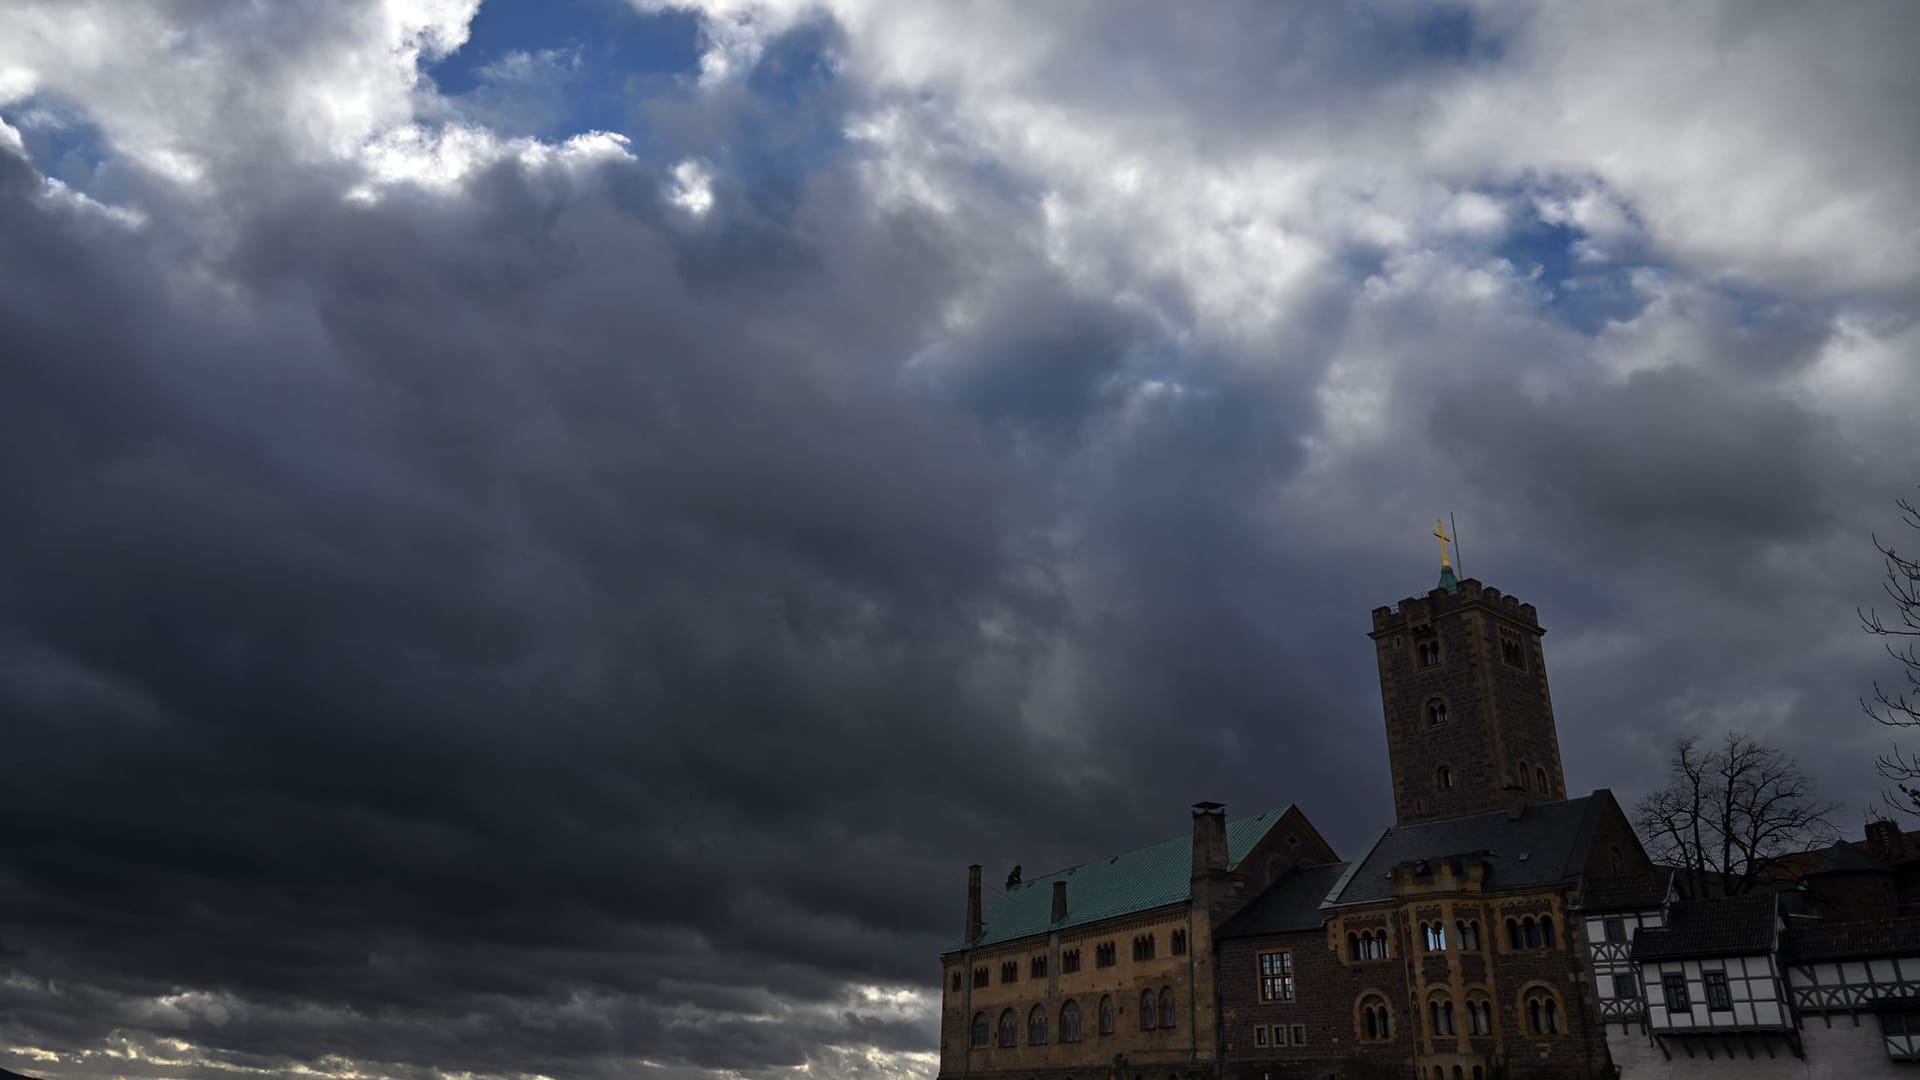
(1674, 989)
(1530, 933)
(1157, 1012)
(1440, 1016)
(1434, 934)
(1104, 955)
(1280, 1035)
(1534, 778)
(1367, 945)
(1539, 1009)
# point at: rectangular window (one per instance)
(1143, 947)
(1103, 955)
(1279, 1034)
(956, 982)
(1037, 969)
(1299, 1034)
(1616, 929)
(1009, 971)
(1276, 976)
(1717, 997)
(1179, 943)
(1070, 961)
(1675, 989)
(1626, 987)
(979, 976)
(1260, 1035)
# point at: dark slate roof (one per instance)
(1547, 844)
(1844, 858)
(1291, 903)
(1842, 941)
(1730, 926)
(1137, 880)
(1633, 893)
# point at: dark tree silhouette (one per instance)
(1900, 706)
(1730, 812)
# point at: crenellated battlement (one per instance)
(1417, 610)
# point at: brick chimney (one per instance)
(1885, 842)
(974, 927)
(1059, 900)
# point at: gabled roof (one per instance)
(1545, 845)
(1633, 893)
(1291, 903)
(1730, 926)
(1137, 880)
(1846, 940)
(1844, 858)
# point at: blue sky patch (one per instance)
(613, 54)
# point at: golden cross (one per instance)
(1440, 530)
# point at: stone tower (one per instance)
(1464, 686)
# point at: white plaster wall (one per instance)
(1843, 1052)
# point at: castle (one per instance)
(1498, 929)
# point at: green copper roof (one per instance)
(1448, 581)
(1138, 880)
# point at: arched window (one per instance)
(1009, 1029)
(1542, 1011)
(1070, 1022)
(1353, 945)
(1443, 778)
(1469, 933)
(1526, 775)
(1166, 1008)
(1540, 777)
(1514, 938)
(1147, 1010)
(1479, 1014)
(1106, 1015)
(979, 1029)
(1440, 1014)
(1546, 930)
(1436, 712)
(1532, 932)
(1037, 1026)
(1374, 1022)
(1458, 1074)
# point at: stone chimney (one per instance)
(974, 927)
(1209, 838)
(1059, 900)
(1885, 842)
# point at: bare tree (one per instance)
(1900, 706)
(1730, 812)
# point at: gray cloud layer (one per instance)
(467, 604)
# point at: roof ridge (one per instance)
(1278, 812)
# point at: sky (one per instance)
(540, 539)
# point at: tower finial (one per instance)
(1447, 579)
